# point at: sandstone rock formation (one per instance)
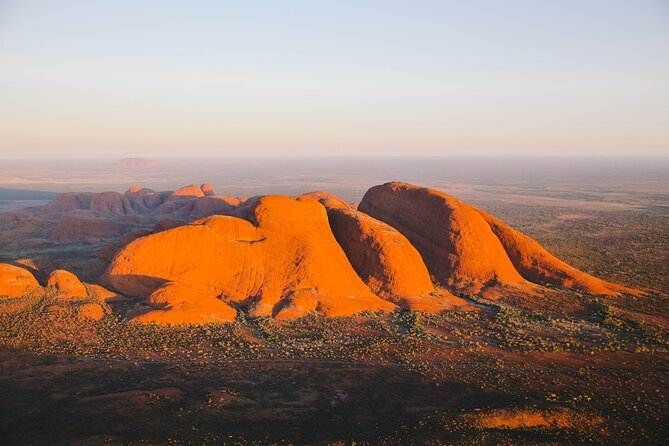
(106, 202)
(466, 248)
(144, 200)
(103, 294)
(91, 311)
(455, 241)
(385, 260)
(15, 281)
(207, 189)
(178, 199)
(328, 199)
(175, 303)
(210, 205)
(86, 228)
(67, 283)
(285, 251)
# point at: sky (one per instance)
(157, 79)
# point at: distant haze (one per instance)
(117, 79)
(558, 181)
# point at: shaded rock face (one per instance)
(15, 281)
(86, 228)
(387, 262)
(328, 199)
(207, 189)
(466, 248)
(455, 241)
(144, 200)
(175, 304)
(380, 254)
(284, 260)
(106, 202)
(67, 283)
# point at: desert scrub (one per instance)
(411, 323)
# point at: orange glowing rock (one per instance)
(466, 248)
(16, 281)
(455, 241)
(91, 311)
(67, 283)
(328, 199)
(387, 262)
(287, 247)
(175, 303)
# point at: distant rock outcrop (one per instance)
(283, 262)
(16, 281)
(207, 189)
(106, 202)
(86, 228)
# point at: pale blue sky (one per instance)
(95, 78)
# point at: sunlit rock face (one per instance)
(283, 261)
(466, 248)
(16, 281)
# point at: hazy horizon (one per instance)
(125, 79)
(574, 181)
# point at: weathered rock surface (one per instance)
(466, 248)
(328, 199)
(106, 202)
(175, 303)
(387, 262)
(207, 189)
(455, 241)
(67, 283)
(286, 248)
(103, 294)
(15, 281)
(91, 311)
(86, 228)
